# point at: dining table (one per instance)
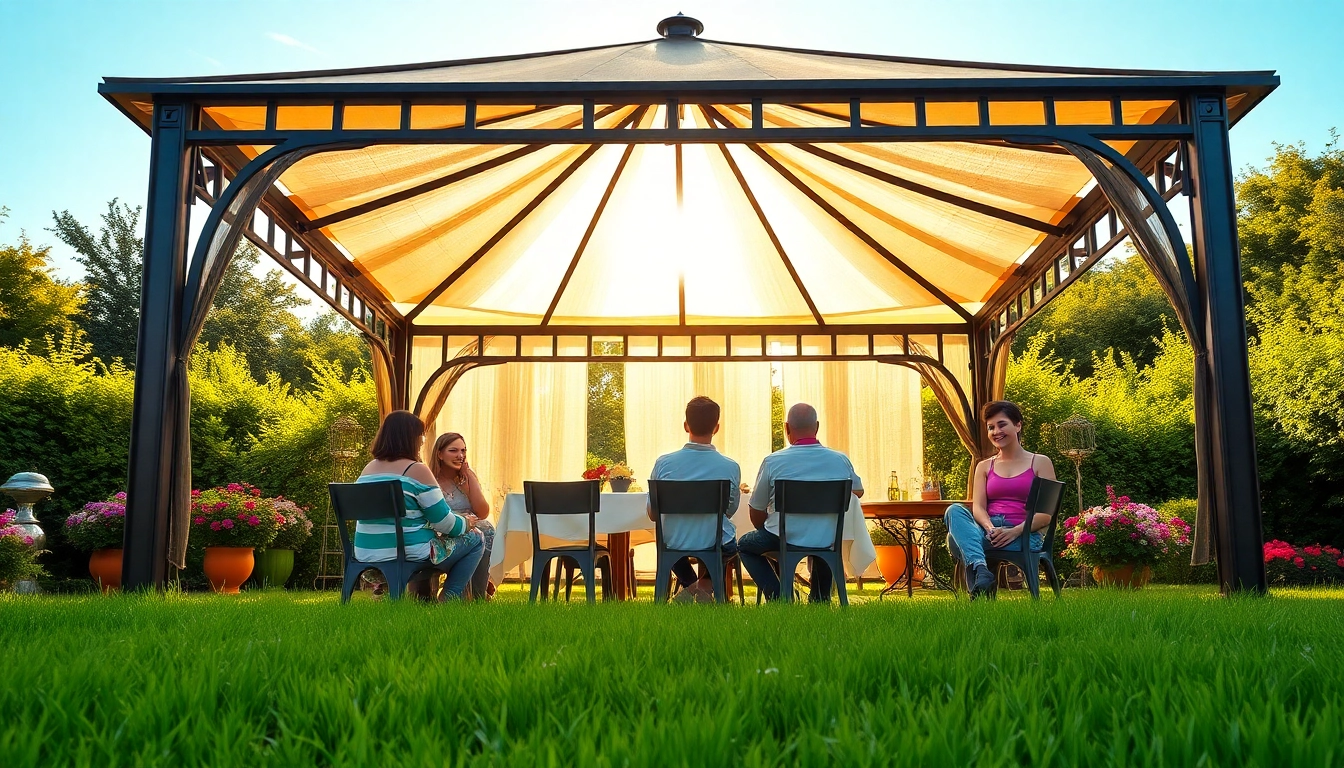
(622, 522)
(900, 519)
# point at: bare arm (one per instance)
(479, 506)
(758, 517)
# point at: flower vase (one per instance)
(105, 568)
(891, 562)
(273, 567)
(620, 484)
(228, 567)
(1129, 576)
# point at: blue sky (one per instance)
(65, 147)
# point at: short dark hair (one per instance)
(1003, 407)
(702, 415)
(398, 437)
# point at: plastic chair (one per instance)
(796, 498)
(581, 497)
(1043, 499)
(692, 497)
(374, 501)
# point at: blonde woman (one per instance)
(462, 491)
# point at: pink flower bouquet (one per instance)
(1122, 533)
(236, 515)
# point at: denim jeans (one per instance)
(755, 544)
(480, 578)
(967, 541)
(686, 574)
(461, 564)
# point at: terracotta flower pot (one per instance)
(891, 562)
(1129, 576)
(274, 567)
(228, 567)
(105, 568)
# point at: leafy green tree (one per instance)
(253, 314)
(1115, 306)
(112, 267)
(606, 406)
(34, 304)
(325, 338)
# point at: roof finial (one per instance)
(680, 26)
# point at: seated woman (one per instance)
(457, 548)
(999, 505)
(462, 491)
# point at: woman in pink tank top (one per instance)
(999, 502)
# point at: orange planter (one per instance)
(105, 568)
(891, 562)
(228, 567)
(1128, 576)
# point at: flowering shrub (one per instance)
(236, 515)
(1286, 564)
(18, 559)
(99, 525)
(1122, 532)
(293, 525)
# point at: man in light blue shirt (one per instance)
(698, 460)
(804, 459)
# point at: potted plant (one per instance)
(890, 553)
(619, 478)
(99, 528)
(18, 557)
(231, 522)
(1122, 541)
(275, 563)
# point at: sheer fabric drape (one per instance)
(870, 411)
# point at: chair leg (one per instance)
(535, 581)
(838, 577)
(348, 584)
(662, 577)
(786, 579)
(396, 581)
(608, 581)
(1052, 575)
(589, 583)
(741, 594)
(716, 574)
(1032, 576)
(569, 580)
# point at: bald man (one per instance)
(805, 458)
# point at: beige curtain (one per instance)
(521, 421)
(655, 409)
(868, 410)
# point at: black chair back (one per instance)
(580, 497)
(368, 501)
(690, 497)
(812, 497)
(1043, 499)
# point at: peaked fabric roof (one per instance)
(767, 233)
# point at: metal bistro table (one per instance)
(898, 518)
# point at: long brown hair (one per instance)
(398, 437)
(436, 464)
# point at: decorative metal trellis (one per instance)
(345, 443)
(1076, 439)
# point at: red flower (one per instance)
(279, 519)
(1340, 562)
(195, 493)
(199, 521)
(256, 491)
(249, 505)
(254, 520)
(1299, 562)
(215, 526)
(1314, 551)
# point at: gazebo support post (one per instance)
(154, 412)
(1235, 481)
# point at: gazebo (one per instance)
(756, 202)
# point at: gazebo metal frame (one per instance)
(1187, 156)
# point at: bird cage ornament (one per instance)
(1076, 439)
(345, 445)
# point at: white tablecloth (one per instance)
(627, 513)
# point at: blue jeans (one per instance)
(461, 564)
(480, 578)
(753, 546)
(686, 574)
(967, 541)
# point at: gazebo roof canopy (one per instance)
(526, 233)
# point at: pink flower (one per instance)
(199, 521)
(226, 523)
(249, 505)
(1109, 521)
(280, 519)
(241, 515)
(214, 526)
(195, 493)
(121, 496)
(233, 488)
(1068, 538)
(1072, 521)
(29, 541)
(254, 520)
(1134, 535)
(1125, 520)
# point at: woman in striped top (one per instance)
(430, 530)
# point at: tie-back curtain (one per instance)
(655, 410)
(521, 421)
(870, 411)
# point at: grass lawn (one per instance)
(1167, 676)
